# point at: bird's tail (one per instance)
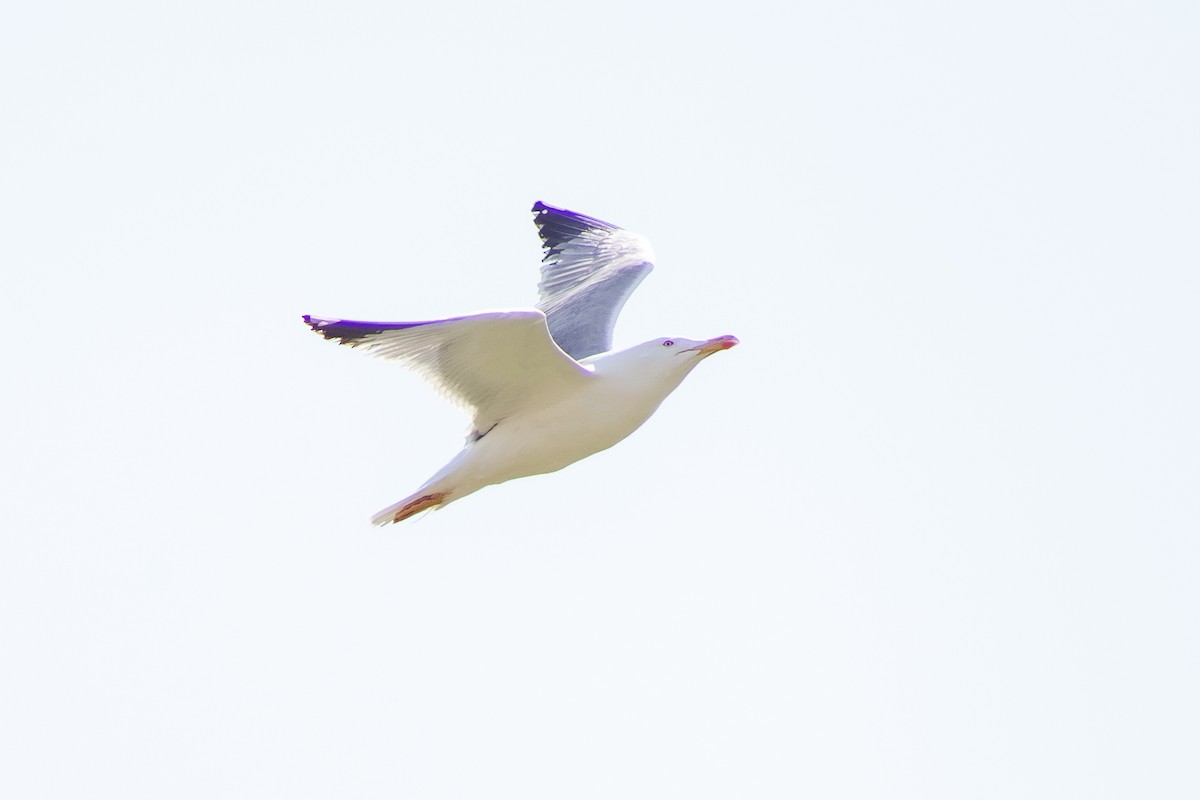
(423, 500)
(448, 485)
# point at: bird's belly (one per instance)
(553, 438)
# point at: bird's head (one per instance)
(669, 357)
(689, 349)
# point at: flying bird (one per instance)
(543, 385)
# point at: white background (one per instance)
(930, 532)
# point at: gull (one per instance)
(543, 385)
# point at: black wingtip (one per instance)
(320, 325)
(343, 330)
(558, 225)
(545, 211)
(352, 332)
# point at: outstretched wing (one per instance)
(491, 364)
(589, 269)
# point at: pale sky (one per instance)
(929, 532)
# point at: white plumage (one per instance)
(542, 387)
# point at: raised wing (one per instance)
(491, 364)
(589, 269)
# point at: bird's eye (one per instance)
(669, 343)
